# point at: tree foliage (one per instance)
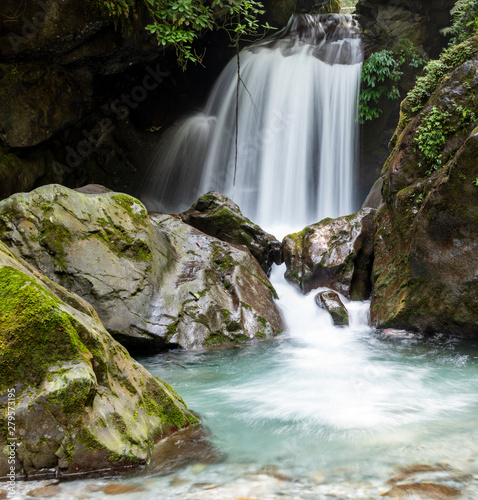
(465, 21)
(180, 22)
(381, 73)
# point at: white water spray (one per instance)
(297, 132)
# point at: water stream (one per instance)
(320, 413)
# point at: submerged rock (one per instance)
(430, 491)
(330, 301)
(334, 253)
(426, 244)
(80, 402)
(155, 282)
(218, 216)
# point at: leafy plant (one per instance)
(435, 72)
(431, 136)
(475, 182)
(381, 73)
(465, 21)
(379, 69)
(180, 22)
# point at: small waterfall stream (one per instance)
(297, 129)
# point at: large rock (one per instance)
(330, 301)
(333, 253)
(155, 282)
(426, 245)
(218, 216)
(79, 402)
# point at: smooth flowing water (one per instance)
(297, 129)
(320, 413)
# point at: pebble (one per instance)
(45, 491)
(120, 489)
(424, 490)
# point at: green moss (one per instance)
(121, 243)
(73, 398)
(54, 238)
(160, 402)
(34, 330)
(233, 326)
(133, 207)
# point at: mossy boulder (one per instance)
(154, 282)
(80, 402)
(333, 253)
(426, 244)
(330, 301)
(218, 216)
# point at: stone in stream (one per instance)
(333, 253)
(423, 491)
(217, 215)
(80, 402)
(330, 301)
(154, 281)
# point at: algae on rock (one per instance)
(81, 402)
(155, 282)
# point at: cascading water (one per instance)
(297, 129)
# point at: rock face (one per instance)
(155, 282)
(218, 216)
(386, 25)
(426, 245)
(80, 402)
(334, 253)
(330, 301)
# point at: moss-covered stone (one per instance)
(218, 216)
(79, 397)
(427, 230)
(155, 282)
(335, 253)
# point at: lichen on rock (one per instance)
(155, 282)
(81, 402)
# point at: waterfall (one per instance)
(297, 129)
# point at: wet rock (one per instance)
(330, 301)
(86, 404)
(155, 282)
(122, 489)
(424, 491)
(45, 492)
(334, 253)
(218, 216)
(191, 446)
(426, 243)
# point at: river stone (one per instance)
(155, 282)
(333, 253)
(217, 215)
(424, 491)
(426, 243)
(81, 403)
(330, 301)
